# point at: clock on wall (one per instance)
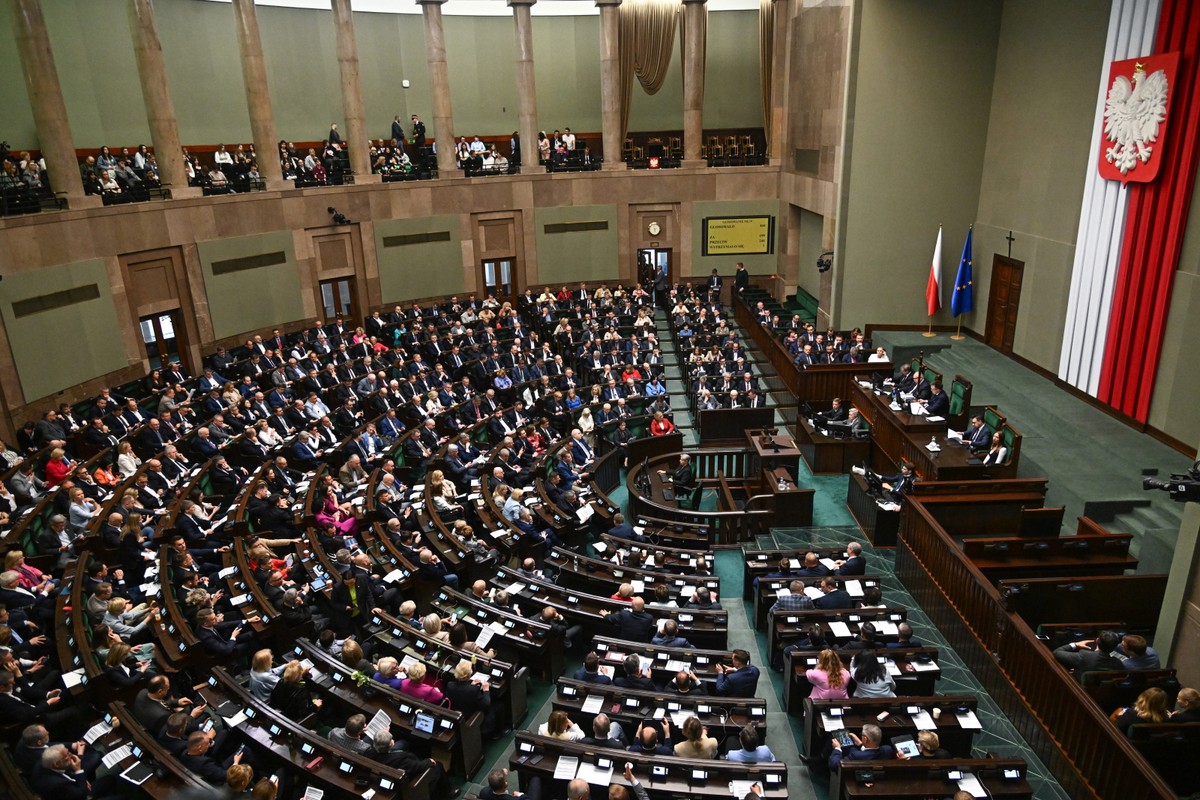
(654, 229)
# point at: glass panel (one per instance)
(506, 276)
(168, 326)
(327, 299)
(148, 335)
(344, 297)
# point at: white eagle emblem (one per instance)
(1132, 115)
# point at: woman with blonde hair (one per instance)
(416, 685)
(238, 778)
(560, 726)
(697, 743)
(432, 625)
(263, 676)
(127, 460)
(1150, 707)
(829, 678)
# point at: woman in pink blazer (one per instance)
(828, 678)
(415, 685)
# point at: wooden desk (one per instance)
(902, 779)
(767, 590)
(879, 525)
(857, 712)
(677, 783)
(792, 626)
(827, 455)
(891, 431)
(791, 504)
(782, 450)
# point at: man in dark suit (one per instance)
(498, 789)
(352, 601)
(197, 759)
(222, 638)
(60, 775)
(1091, 654)
(714, 283)
(623, 530)
(938, 404)
(978, 436)
(740, 680)
(834, 597)
(683, 481)
(632, 623)
(633, 676)
(154, 705)
(590, 671)
(854, 564)
(866, 747)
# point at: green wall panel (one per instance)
(60, 347)
(250, 299)
(566, 65)
(419, 270)
(576, 255)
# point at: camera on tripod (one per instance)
(1183, 487)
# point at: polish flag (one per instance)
(933, 289)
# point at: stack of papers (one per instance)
(854, 588)
(594, 775)
(566, 768)
(740, 789)
(829, 563)
(840, 630)
(813, 593)
(313, 793)
(592, 704)
(485, 636)
(101, 728)
(969, 721)
(73, 678)
(969, 783)
(117, 756)
(924, 721)
(832, 723)
(379, 723)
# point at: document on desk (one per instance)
(378, 724)
(832, 723)
(829, 563)
(891, 668)
(968, 721)
(936, 418)
(783, 592)
(886, 627)
(515, 588)
(566, 768)
(638, 586)
(813, 593)
(924, 721)
(638, 529)
(73, 678)
(794, 563)
(840, 629)
(680, 717)
(96, 731)
(674, 664)
(924, 666)
(585, 513)
(117, 756)
(497, 626)
(225, 573)
(740, 789)
(237, 719)
(592, 704)
(594, 775)
(393, 576)
(313, 793)
(407, 662)
(854, 588)
(600, 547)
(970, 784)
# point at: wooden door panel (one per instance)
(1003, 302)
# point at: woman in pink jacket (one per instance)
(416, 686)
(828, 678)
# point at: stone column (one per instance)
(526, 87)
(610, 80)
(160, 111)
(693, 81)
(49, 110)
(352, 101)
(779, 87)
(258, 96)
(439, 74)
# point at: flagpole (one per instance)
(930, 331)
(958, 336)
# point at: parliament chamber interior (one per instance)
(564, 398)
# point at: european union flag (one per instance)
(962, 299)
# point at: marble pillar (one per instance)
(258, 95)
(693, 80)
(160, 110)
(779, 82)
(49, 109)
(352, 99)
(526, 86)
(610, 83)
(439, 75)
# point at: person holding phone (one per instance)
(866, 747)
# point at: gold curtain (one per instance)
(766, 56)
(646, 43)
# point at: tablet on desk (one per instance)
(424, 722)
